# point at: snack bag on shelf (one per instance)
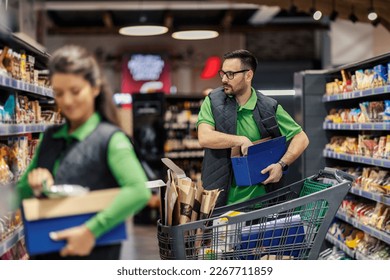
(364, 116)
(380, 76)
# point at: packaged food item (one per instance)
(380, 76)
(226, 236)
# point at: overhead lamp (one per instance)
(195, 34)
(375, 22)
(372, 15)
(293, 8)
(317, 14)
(352, 17)
(143, 29)
(334, 14)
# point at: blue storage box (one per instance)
(42, 216)
(247, 169)
(280, 237)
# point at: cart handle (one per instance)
(334, 173)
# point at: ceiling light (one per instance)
(317, 15)
(195, 34)
(143, 30)
(372, 15)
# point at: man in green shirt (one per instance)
(222, 126)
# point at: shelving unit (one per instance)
(350, 252)
(357, 159)
(313, 104)
(11, 240)
(181, 113)
(381, 235)
(10, 86)
(356, 126)
(10, 83)
(15, 129)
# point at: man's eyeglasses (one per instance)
(230, 74)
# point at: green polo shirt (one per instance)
(123, 165)
(246, 126)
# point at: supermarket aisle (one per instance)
(141, 243)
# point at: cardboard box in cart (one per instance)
(42, 216)
(247, 169)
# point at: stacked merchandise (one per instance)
(19, 109)
(180, 121)
(375, 215)
(17, 252)
(360, 79)
(181, 115)
(372, 146)
(359, 241)
(21, 67)
(20, 116)
(15, 156)
(333, 254)
(11, 233)
(368, 112)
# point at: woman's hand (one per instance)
(37, 178)
(79, 241)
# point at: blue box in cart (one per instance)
(247, 169)
(42, 216)
(279, 237)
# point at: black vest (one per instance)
(217, 172)
(83, 163)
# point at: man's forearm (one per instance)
(218, 140)
(297, 146)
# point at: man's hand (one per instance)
(80, 241)
(275, 173)
(245, 144)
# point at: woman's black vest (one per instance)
(83, 162)
(217, 172)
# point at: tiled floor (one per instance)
(141, 243)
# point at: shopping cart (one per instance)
(289, 223)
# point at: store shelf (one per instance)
(179, 126)
(185, 154)
(356, 126)
(23, 86)
(381, 235)
(360, 256)
(356, 94)
(14, 129)
(340, 245)
(358, 159)
(11, 240)
(373, 196)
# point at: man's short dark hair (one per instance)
(247, 58)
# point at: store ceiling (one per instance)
(82, 17)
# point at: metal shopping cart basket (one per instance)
(289, 223)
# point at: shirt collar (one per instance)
(81, 132)
(251, 103)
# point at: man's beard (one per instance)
(228, 89)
